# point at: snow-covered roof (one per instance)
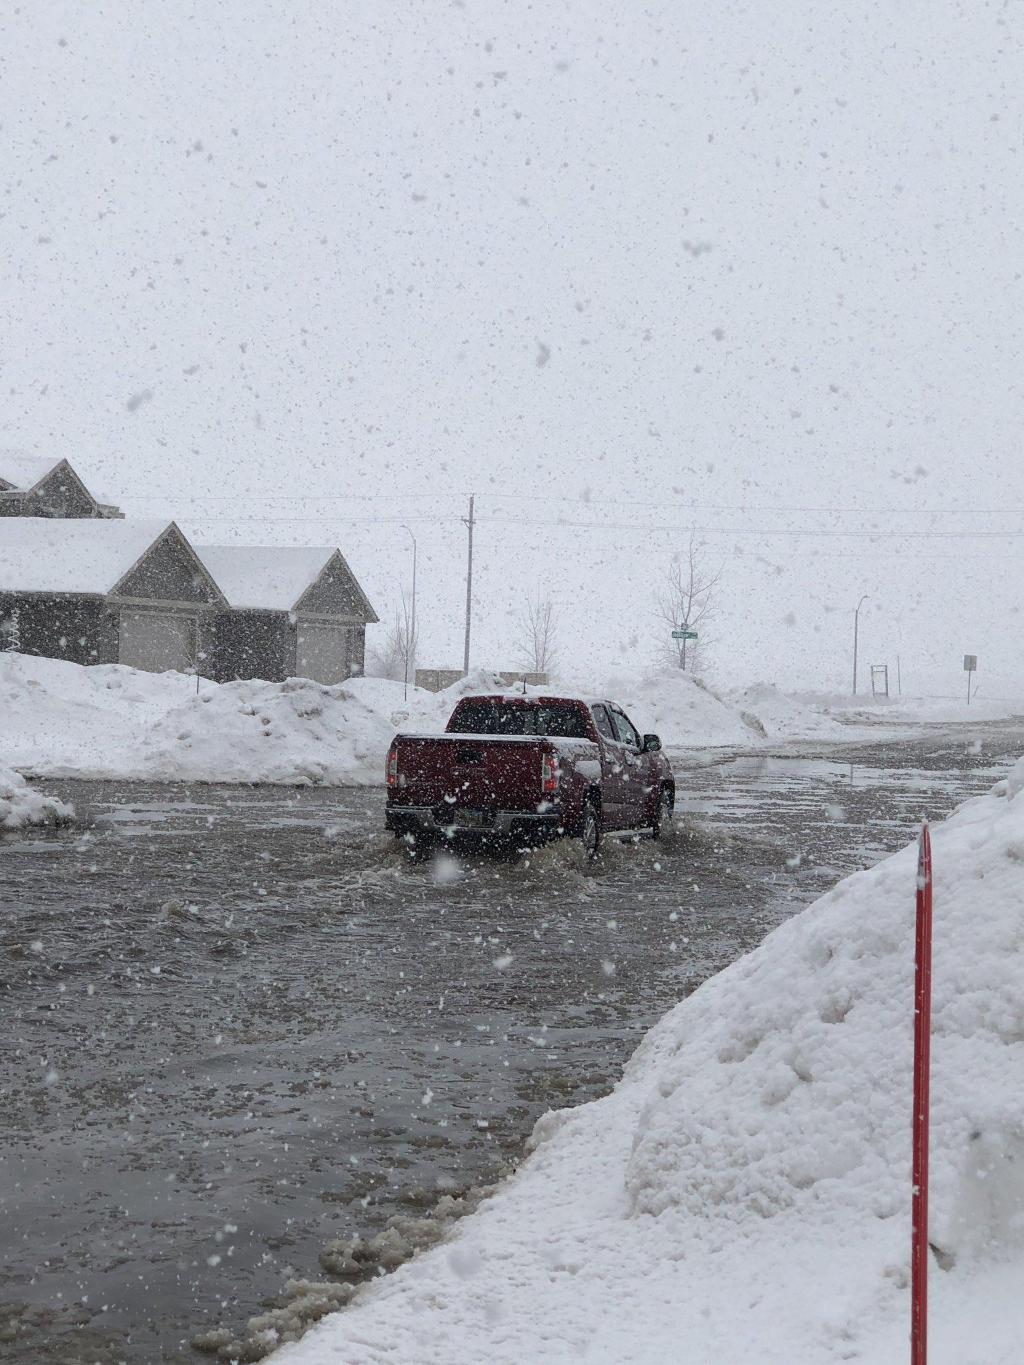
(23, 471)
(271, 577)
(19, 472)
(102, 494)
(90, 555)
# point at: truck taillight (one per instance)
(392, 766)
(549, 773)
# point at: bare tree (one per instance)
(10, 630)
(382, 657)
(686, 601)
(537, 625)
(395, 657)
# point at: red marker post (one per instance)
(922, 1068)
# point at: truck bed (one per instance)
(470, 772)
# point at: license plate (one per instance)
(472, 819)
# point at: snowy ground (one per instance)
(743, 1194)
(20, 805)
(62, 720)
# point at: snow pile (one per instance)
(688, 712)
(684, 711)
(20, 805)
(783, 716)
(61, 719)
(296, 731)
(744, 1193)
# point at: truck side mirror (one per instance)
(651, 744)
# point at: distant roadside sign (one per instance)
(970, 666)
(684, 635)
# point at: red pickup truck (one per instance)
(523, 769)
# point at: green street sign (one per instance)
(684, 635)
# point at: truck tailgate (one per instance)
(475, 772)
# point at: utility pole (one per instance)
(468, 523)
(410, 634)
(856, 616)
(414, 639)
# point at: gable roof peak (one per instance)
(20, 471)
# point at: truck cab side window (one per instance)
(624, 727)
(604, 725)
(563, 722)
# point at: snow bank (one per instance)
(931, 710)
(64, 720)
(687, 711)
(744, 715)
(789, 717)
(20, 805)
(682, 709)
(809, 714)
(744, 1192)
(60, 719)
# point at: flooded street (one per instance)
(239, 1024)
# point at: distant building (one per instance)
(514, 679)
(36, 486)
(79, 582)
(98, 591)
(437, 679)
(292, 611)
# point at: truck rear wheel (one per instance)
(590, 829)
(418, 846)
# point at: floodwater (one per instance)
(238, 1024)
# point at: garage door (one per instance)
(322, 653)
(157, 641)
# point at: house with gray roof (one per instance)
(293, 611)
(79, 582)
(99, 590)
(46, 486)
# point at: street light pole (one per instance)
(469, 523)
(410, 643)
(856, 616)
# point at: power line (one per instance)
(770, 507)
(174, 496)
(745, 508)
(544, 526)
(902, 533)
(320, 521)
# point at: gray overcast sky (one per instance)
(304, 271)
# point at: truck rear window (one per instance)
(496, 718)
